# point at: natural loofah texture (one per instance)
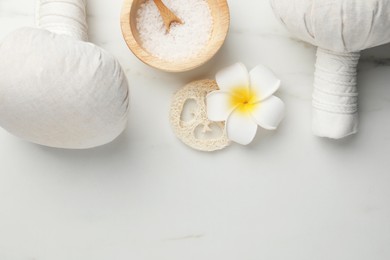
(340, 29)
(198, 132)
(57, 90)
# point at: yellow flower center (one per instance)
(244, 99)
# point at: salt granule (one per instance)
(183, 41)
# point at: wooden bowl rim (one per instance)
(211, 49)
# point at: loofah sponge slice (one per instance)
(198, 132)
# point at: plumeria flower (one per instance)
(245, 100)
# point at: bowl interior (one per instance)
(221, 19)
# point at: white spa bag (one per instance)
(56, 89)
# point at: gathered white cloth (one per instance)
(57, 90)
(67, 17)
(340, 29)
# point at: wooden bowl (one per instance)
(221, 20)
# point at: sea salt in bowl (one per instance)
(167, 53)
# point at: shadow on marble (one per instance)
(118, 147)
(380, 55)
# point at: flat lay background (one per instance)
(287, 196)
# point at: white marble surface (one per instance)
(146, 196)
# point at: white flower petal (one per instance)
(241, 128)
(263, 81)
(269, 113)
(218, 107)
(232, 77)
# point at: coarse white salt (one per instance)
(183, 41)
